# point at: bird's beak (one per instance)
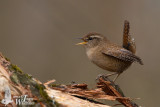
(82, 43)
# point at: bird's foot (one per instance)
(99, 76)
(105, 77)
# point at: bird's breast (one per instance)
(91, 53)
(106, 62)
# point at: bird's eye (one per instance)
(90, 38)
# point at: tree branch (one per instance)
(15, 84)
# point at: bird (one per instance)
(108, 55)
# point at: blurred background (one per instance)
(40, 36)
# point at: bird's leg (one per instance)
(116, 77)
(108, 75)
(105, 76)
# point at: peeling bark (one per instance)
(14, 81)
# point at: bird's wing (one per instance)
(122, 54)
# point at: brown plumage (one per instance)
(128, 41)
(110, 56)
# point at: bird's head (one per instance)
(92, 40)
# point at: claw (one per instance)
(105, 77)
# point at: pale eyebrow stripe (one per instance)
(96, 36)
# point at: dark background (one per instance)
(40, 36)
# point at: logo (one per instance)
(20, 100)
(7, 97)
(23, 100)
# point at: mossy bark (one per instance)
(21, 83)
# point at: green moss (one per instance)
(18, 77)
(7, 59)
(43, 95)
(36, 88)
(14, 78)
(57, 104)
(28, 76)
(55, 85)
(15, 68)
